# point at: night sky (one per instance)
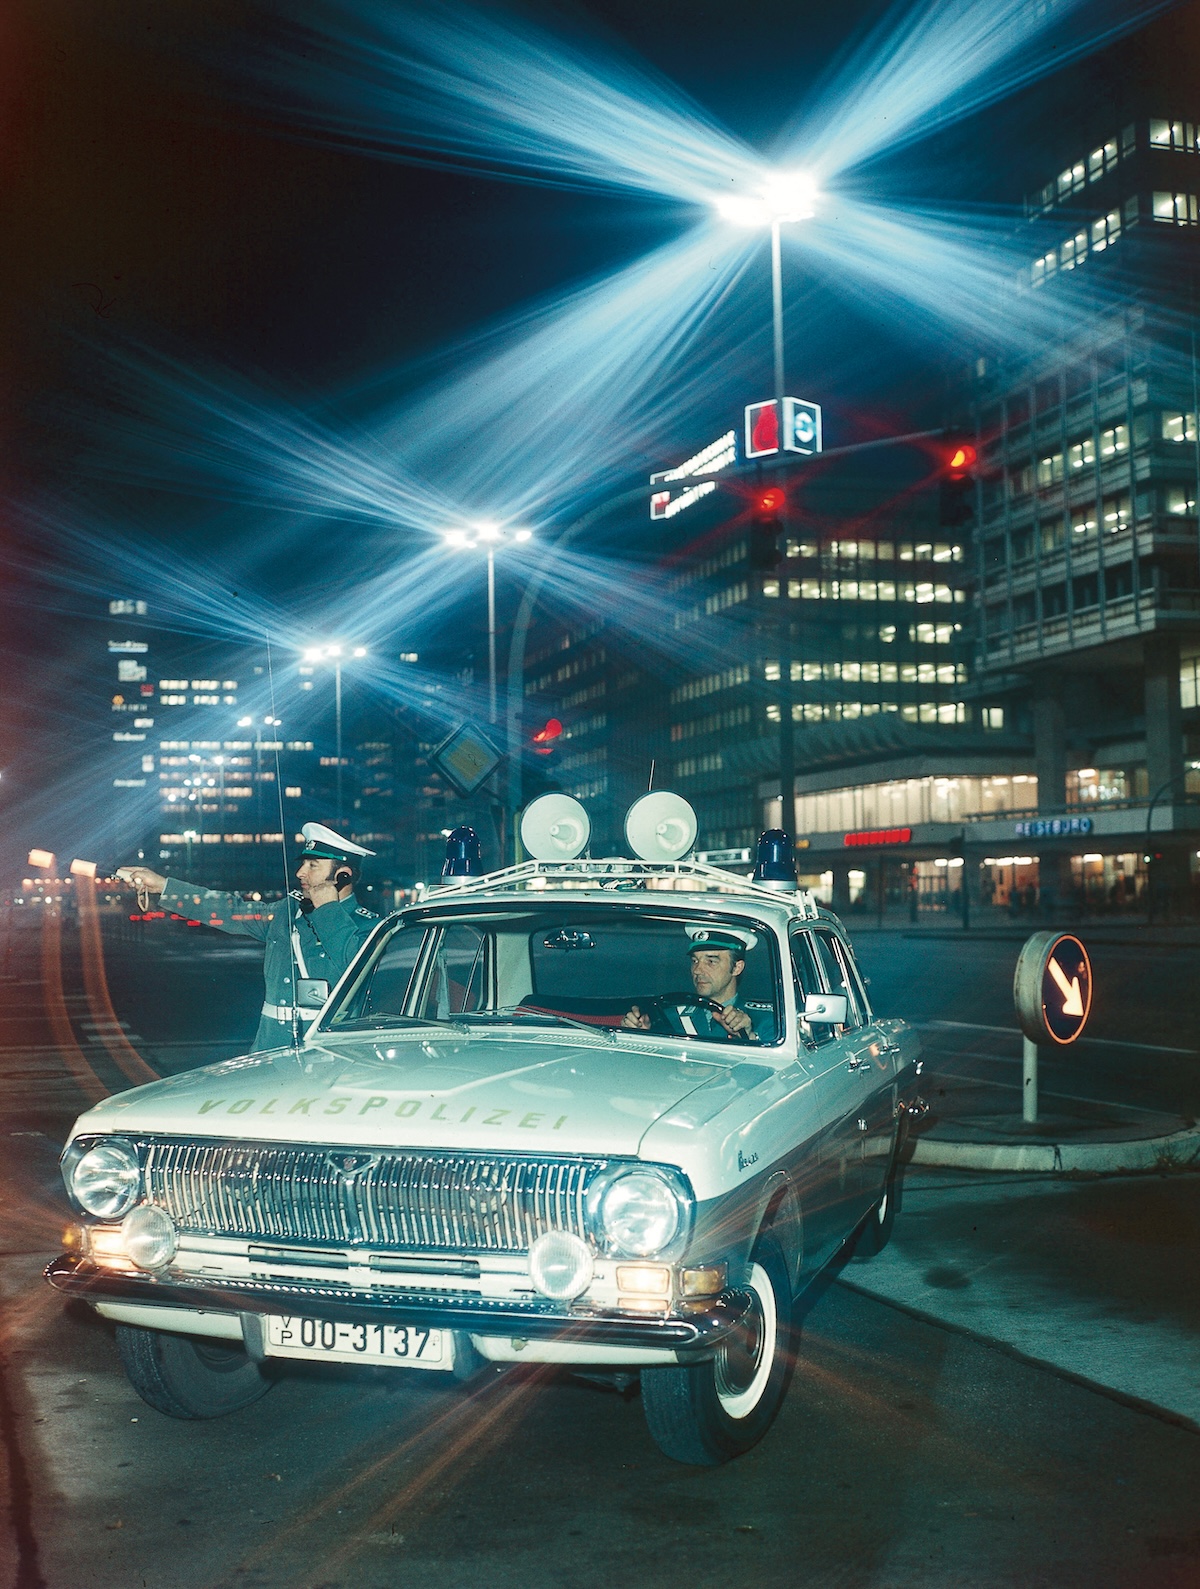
(145, 204)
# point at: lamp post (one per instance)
(782, 200)
(335, 652)
(488, 536)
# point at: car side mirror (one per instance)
(830, 1008)
(311, 992)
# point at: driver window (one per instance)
(837, 977)
(804, 969)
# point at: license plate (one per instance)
(403, 1345)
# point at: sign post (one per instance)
(1052, 992)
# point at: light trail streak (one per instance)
(55, 1005)
(95, 982)
(456, 85)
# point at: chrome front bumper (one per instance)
(690, 1332)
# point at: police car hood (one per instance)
(497, 1089)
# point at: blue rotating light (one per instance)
(775, 866)
(462, 854)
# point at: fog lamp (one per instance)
(560, 1265)
(148, 1237)
(644, 1279)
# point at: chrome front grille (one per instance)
(384, 1198)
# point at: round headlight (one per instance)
(104, 1180)
(560, 1265)
(148, 1236)
(639, 1214)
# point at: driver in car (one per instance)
(718, 959)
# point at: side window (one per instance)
(808, 980)
(854, 977)
(837, 976)
(457, 979)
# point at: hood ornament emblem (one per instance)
(347, 1165)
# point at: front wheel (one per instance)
(707, 1413)
(187, 1376)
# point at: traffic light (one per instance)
(956, 500)
(767, 515)
(538, 772)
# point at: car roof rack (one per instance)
(614, 874)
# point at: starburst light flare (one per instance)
(455, 85)
(927, 65)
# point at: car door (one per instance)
(832, 1175)
(879, 1079)
(846, 1085)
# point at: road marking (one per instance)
(1013, 1031)
(1067, 1097)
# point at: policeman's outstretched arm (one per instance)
(142, 878)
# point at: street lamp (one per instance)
(335, 653)
(783, 199)
(488, 536)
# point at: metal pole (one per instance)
(491, 598)
(337, 713)
(777, 322)
(787, 732)
(1029, 1081)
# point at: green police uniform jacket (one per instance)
(326, 940)
(692, 1020)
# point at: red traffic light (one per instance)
(770, 501)
(550, 730)
(963, 456)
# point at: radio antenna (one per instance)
(650, 785)
(286, 902)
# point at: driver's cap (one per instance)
(706, 935)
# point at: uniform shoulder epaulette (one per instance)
(363, 911)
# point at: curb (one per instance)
(1180, 1150)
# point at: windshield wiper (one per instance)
(517, 1012)
(366, 1023)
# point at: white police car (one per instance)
(614, 1114)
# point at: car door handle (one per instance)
(858, 1064)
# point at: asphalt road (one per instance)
(907, 1454)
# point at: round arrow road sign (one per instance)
(1052, 987)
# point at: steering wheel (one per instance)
(653, 1008)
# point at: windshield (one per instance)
(708, 977)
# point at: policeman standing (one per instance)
(312, 934)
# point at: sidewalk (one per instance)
(1095, 1279)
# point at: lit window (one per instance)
(1178, 135)
(1118, 513)
(1177, 209)
(770, 587)
(1073, 251)
(1180, 500)
(1105, 231)
(887, 592)
(887, 633)
(1050, 470)
(1114, 441)
(993, 717)
(173, 700)
(1083, 520)
(1101, 160)
(810, 589)
(292, 790)
(1178, 427)
(1081, 454)
(771, 670)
